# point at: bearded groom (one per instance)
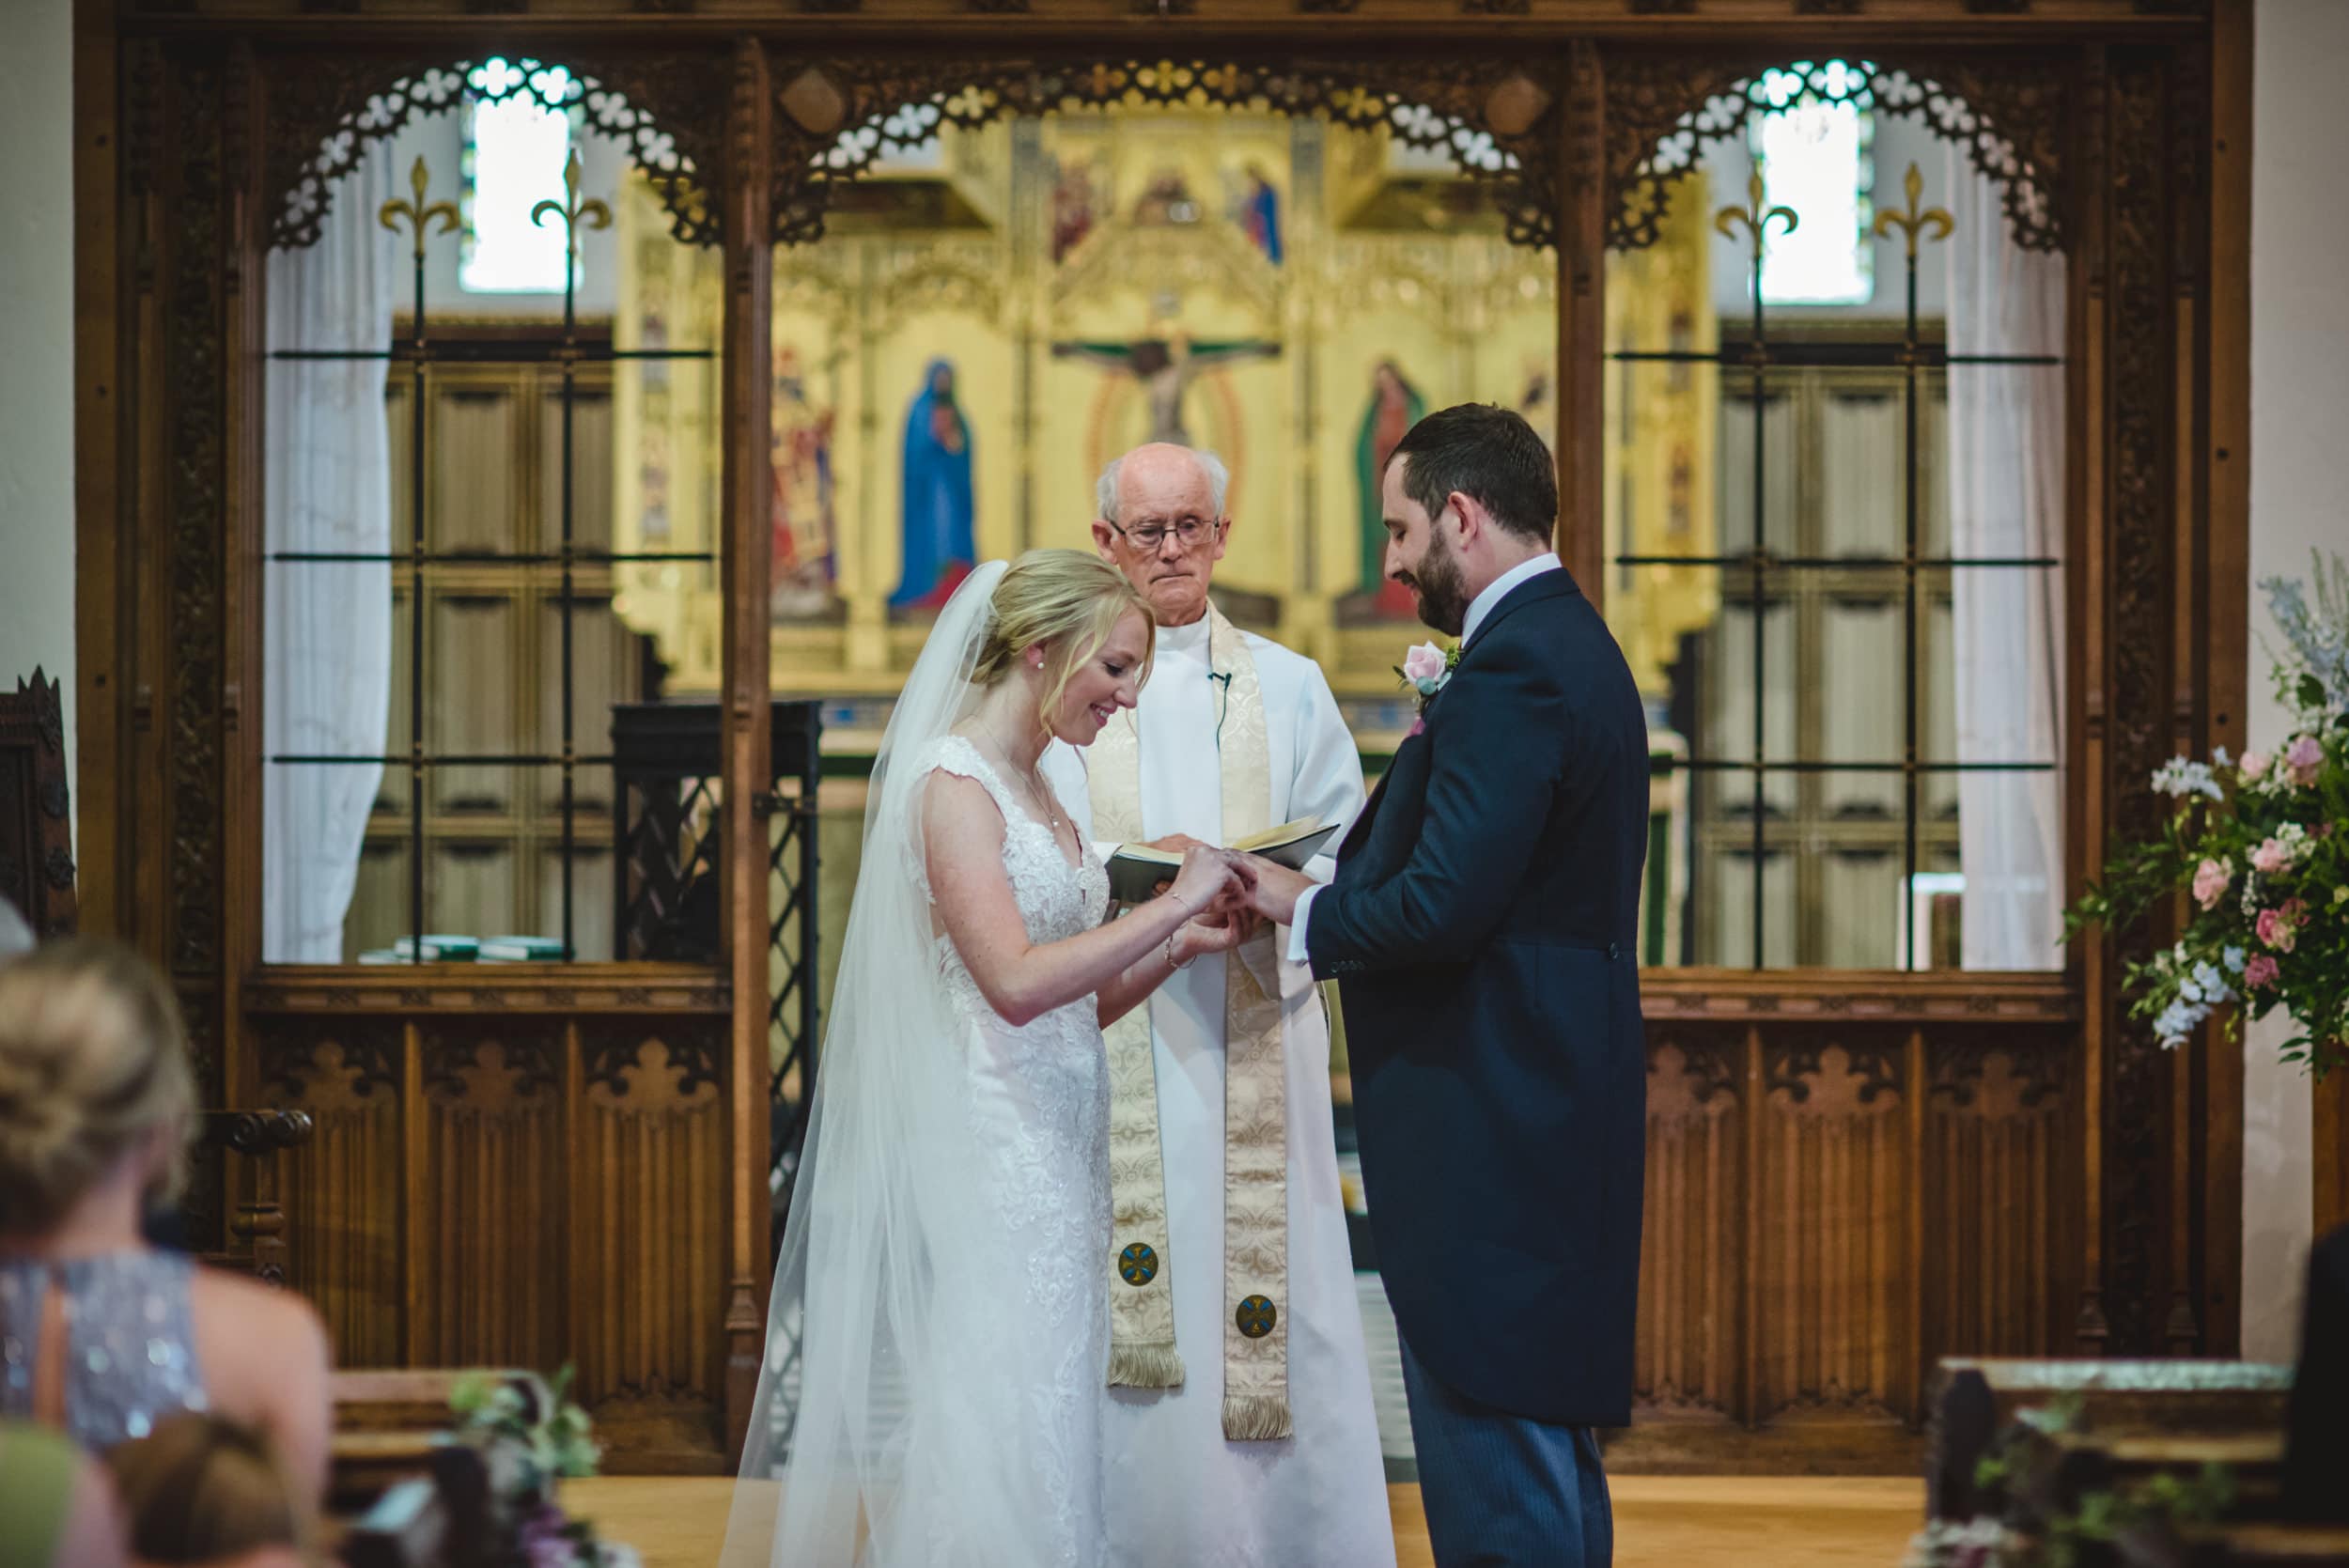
(1239, 1428)
(1481, 929)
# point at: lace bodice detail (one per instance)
(1057, 900)
(129, 1342)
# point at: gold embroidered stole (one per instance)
(1143, 1352)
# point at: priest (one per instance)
(1239, 1428)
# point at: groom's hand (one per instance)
(1277, 890)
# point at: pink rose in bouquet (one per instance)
(2268, 858)
(2275, 931)
(2210, 882)
(2254, 765)
(2305, 760)
(2259, 972)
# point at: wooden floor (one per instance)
(1754, 1521)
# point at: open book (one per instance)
(1136, 870)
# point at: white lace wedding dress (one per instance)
(1039, 1101)
(937, 1334)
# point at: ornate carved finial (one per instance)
(571, 210)
(1912, 221)
(418, 213)
(1753, 218)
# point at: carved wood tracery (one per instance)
(884, 105)
(667, 107)
(1664, 110)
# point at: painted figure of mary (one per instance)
(938, 548)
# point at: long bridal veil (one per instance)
(875, 1439)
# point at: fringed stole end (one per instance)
(1255, 1418)
(1146, 1364)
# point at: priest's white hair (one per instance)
(1105, 490)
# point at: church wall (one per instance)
(2299, 384)
(37, 346)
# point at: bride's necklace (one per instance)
(1037, 792)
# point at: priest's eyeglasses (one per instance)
(1149, 536)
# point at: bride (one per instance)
(939, 1332)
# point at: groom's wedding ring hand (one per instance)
(1275, 888)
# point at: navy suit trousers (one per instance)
(1505, 1491)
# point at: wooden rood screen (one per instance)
(1850, 1172)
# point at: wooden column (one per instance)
(108, 203)
(2084, 608)
(744, 571)
(1582, 323)
(2228, 571)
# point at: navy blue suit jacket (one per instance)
(1481, 930)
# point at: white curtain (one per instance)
(327, 625)
(2006, 500)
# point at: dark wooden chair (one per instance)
(257, 1232)
(36, 809)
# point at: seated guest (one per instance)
(57, 1509)
(102, 1335)
(199, 1490)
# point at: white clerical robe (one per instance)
(1177, 1491)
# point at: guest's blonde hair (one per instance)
(199, 1488)
(1066, 600)
(93, 1059)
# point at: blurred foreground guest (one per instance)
(57, 1509)
(199, 1490)
(102, 1335)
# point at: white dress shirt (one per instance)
(1479, 608)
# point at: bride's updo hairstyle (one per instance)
(1067, 602)
(93, 1059)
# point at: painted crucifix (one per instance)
(1166, 367)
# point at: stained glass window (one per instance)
(515, 148)
(1814, 151)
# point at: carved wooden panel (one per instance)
(341, 1190)
(1833, 1331)
(515, 1189)
(488, 1282)
(647, 1225)
(2000, 1157)
(1692, 1243)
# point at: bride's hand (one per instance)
(1214, 933)
(1208, 878)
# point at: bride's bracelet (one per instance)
(1171, 964)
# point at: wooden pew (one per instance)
(1976, 1400)
(2238, 1545)
(403, 1493)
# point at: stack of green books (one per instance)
(522, 950)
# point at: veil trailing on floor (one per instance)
(875, 1436)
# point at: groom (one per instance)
(1481, 930)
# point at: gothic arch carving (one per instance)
(325, 111)
(1496, 116)
(1664, 110)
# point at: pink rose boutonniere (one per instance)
(1426, 669)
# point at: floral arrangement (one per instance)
(528, 1446)
(1424, 670)
(2259, 848)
